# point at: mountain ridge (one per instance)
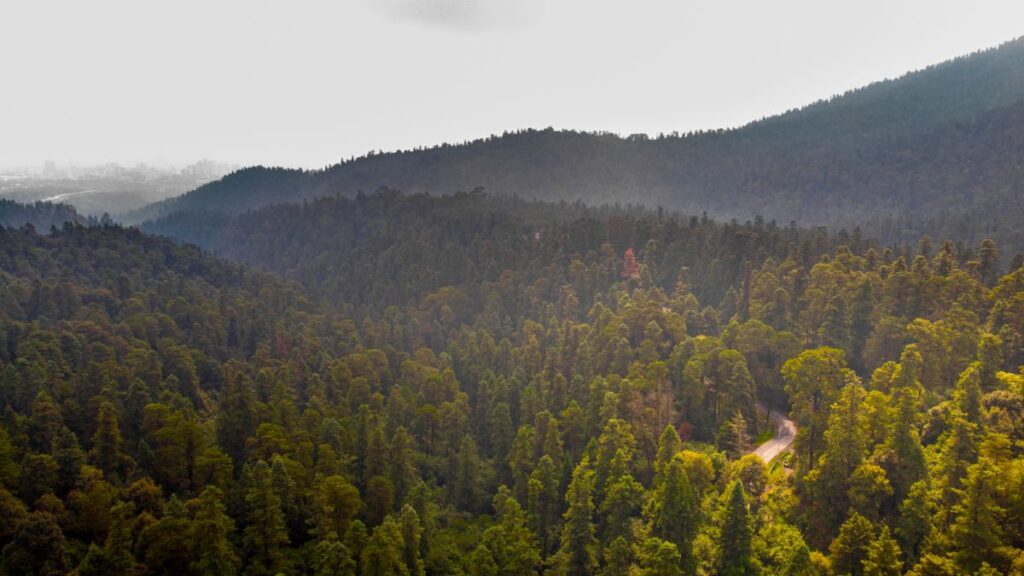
(894, 141)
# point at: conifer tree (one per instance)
(577, 555)
(914, 523)
(106, 442)
(211, 532)
(883, 557)
(977, 530)
(265, 530)
(850, 548)
(674, 511)
(383, 554)
(734, 552)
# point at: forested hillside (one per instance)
(571, 391)
(40, 215)
(936, 151)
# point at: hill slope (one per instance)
(938, 146)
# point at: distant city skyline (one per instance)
(310, 84)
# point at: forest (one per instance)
(478, 384)
(934, 152)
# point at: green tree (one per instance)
(512, 546)
(850, 548)
(411, 535)
(383, 554)
(106, 442)
(544, 502)
(337, 503)
(332, 558)
(977, 530)
(914, 523)
(38, 547)
(577, 555)
(883, 556)
(734, 551)
(674, 511)
(265, 531)
(813, 380)
(211, 532)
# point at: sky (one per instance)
(307, 83)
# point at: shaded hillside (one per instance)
(389, 248)
(41, 215)
(931, 147)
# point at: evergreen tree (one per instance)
(813, 380)
(977, 530)
(544, 502)
(577, 555)
(337, 503)
(265, 530)
(914, 523)
(883, 556)
(734, 552)
(411, 534)
(211, 532)
(106, 442)
(850, 548)
(38, 547)
(674, 511)
(332, 558)
(383, 554)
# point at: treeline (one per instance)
(39, 215)
(559, 401)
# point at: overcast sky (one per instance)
(306, 83)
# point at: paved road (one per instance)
(785, 434)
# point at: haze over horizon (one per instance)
(255, 83)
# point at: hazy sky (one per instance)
(305, 83)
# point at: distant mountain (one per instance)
(936, 151)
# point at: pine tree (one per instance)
(657, 557)
(902, 455)
(38, 547)
(106, 442)
(117, 551)
(512, 545)
(621, 501)
(813, 380)
(977, 531)
(332, 558)
(211, 531)
(544, 502)
(411, 535)
(382, 555)
(337, 503)
(404, 474)
(733, 438)
(914, 524)
(674, 511)
(577, 555)
(265, 531)
(734, 553)
(669, 444)
(850, 548)
(883, 558)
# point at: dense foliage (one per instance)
(571, 391)
(40, 215)
(936, 152)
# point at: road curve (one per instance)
(785, 434)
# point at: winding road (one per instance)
(785, 434)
